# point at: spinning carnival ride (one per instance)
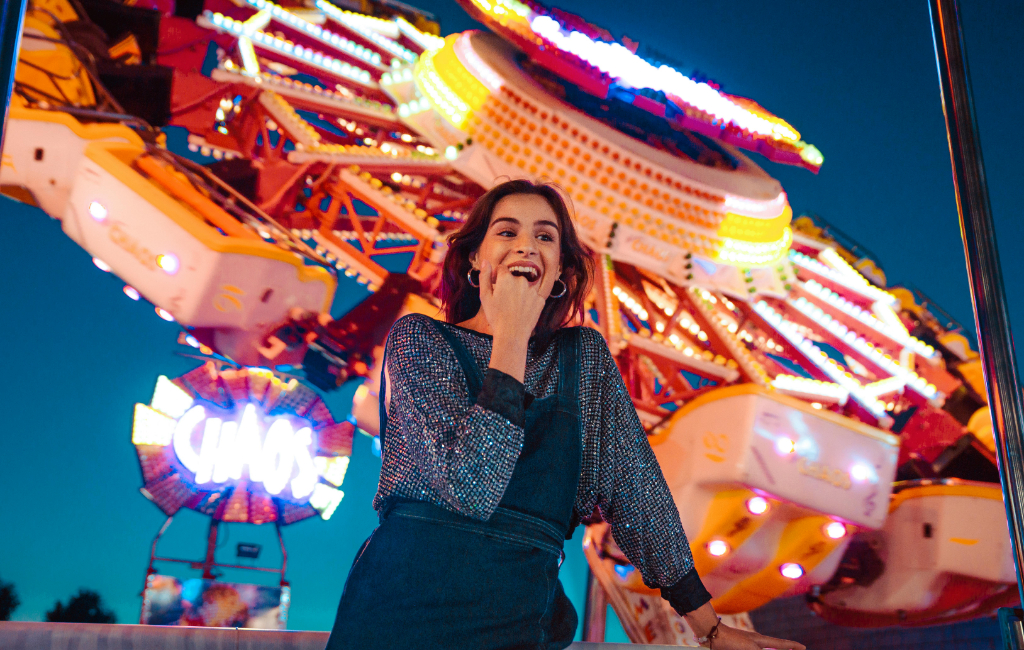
(822, 434)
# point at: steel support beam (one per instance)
(995, 340)
(13, 13)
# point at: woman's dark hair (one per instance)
(461, 300)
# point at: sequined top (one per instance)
(442, 448)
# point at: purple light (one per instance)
(717, 547)
(791, 570)
(168, 262)
(835, 530)
(166, 315)
(757, 505)
(785, 445)
(861, 472)
(97, 211)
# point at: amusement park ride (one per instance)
(822, 433)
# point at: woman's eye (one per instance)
(506, 232)
(547, 237)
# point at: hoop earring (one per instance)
(561, 293)
(469, 278)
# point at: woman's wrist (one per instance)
(508, 354)
(702, 620)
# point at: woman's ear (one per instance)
(472, 259)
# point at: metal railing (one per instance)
(66, 636)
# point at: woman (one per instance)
(504, 427)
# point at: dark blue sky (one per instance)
(856, 79)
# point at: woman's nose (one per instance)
(525, 245)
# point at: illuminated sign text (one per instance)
(270, 450)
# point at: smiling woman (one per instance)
(504, 214)
(505, 427)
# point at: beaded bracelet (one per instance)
(711, 635)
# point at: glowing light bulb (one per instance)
(168, 262)
(717, 547)
(166, 315)
(97, 211)
(835, 530)
(757, 505)
(861, 472)
(785, 445)
(451, 153)
(791, 570)
(131, 292)
(101, 265)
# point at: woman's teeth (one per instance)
(528, 271)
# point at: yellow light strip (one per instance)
(742, 253)
(151, 427)
(456, 107)
(170, 399)
(421, 38)
(751, 367)
(754, 229)
(248, 53)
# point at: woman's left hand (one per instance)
(729, 638)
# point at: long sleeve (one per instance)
(464, 451)
(634, 497)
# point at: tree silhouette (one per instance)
(84, 607)
(9, 600)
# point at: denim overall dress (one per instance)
(431, 578)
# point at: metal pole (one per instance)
(149, 569)
(595, 612)
(284, 553)
(13, 12)
(994, 338)
(211, 549)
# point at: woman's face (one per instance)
(523, 236)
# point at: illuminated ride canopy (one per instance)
(241, 446)
(823, 434)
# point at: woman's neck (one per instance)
(478, 324)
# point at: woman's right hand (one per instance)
(512, 308)
(511, 305)
(729, 638)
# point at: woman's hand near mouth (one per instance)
(512, 306)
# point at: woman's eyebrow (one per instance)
(516, 221)
(509, 219)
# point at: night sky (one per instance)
(857, 79)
